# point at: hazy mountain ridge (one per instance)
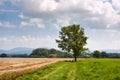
(25, 50)
(18, 50)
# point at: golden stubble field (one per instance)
(19, 64)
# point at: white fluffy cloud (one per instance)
(116, 5)
(7, 25)
(33, 22)
(99, 14)
(27, 41)
(103, 39)
(95, 15)
(97, 45)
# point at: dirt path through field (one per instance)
(19, 64)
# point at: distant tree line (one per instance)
(13, 55)
(53, 53)
(43, 52)
(98, 54)
(3, 55)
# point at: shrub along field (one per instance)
(92, 69)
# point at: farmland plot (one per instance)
(19, 64)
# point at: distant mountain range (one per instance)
(24, 50)
(18, 50)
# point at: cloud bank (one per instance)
(100, 18)
(27, 41)
(96, 14)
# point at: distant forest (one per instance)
(53, 53)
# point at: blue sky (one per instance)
(36, 23)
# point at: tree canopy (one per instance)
(72, 39)
(97, 54)
(44, 52)
(3, 55)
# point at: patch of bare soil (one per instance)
(19, 64)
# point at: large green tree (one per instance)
(72, 39)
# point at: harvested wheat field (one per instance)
(19, 64)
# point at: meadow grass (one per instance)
(14, 75)
(93, 69)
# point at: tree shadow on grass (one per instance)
(69, 61)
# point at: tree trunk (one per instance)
(75, 58)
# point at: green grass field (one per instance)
(94, 69)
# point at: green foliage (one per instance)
(114, 55)
(94, 69)
(19, 55)
(40, 52)
(72, 39)
(104, 54)
(96, 54)
(43, 52)
(51, 51)
(3, 55)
